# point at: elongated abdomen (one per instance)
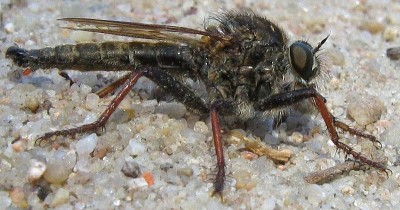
(106, 56)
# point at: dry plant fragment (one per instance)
(260, 148)
(323, 176)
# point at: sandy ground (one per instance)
(147, 137)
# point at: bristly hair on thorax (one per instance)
(285, 78)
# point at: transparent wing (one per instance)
(141, 30)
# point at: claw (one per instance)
(387, 172)
(219, 183)
(219, 194)
(45, 139)
(42, 141)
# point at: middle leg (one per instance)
(185, 95)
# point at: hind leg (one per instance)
(127, 86)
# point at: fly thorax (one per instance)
(279, 66)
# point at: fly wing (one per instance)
(140, 30)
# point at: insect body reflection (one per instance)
(244, 61)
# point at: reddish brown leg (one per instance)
(216, 128)
(131, 80)
(330, 123)
(355, 132)
(292, 97)
(111, 87)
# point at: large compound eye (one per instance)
(302, 59)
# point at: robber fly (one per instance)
(244, 60)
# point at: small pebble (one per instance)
(391, 135)
(32, 104)
(324, 163)
(85, 89)
(167, 166)
(296, 137)
(137, 183)
(18, 197)
(269, 204)
(185, 172)
(244, 180)
(5, 200)
(92, 101)
(101, 149)
(84, 171)
(281, 167)
(86, 145)
(18, 146)
(246, 184)
(390, 33)
(131, 169)
(201, 127)
(365, 109)
(249, 155)
(393, 53)
(148, 176)
(372, 27)
(135, 147)
(191, 136)
(60, 166)
(9, 27)
(172, 109)
(315, 193)
(60, 197)
(36, 170)
(149, 103)
(347, 190)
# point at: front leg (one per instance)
(292, 97)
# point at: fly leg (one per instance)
(131, 81)
(295, 96)
(105, 90)
(216, 128)
(343, 126)
(111, 87)
(178, 90)
(186, 96)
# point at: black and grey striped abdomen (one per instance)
(106, 56)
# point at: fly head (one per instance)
(304, 61)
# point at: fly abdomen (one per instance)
(106, 56)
